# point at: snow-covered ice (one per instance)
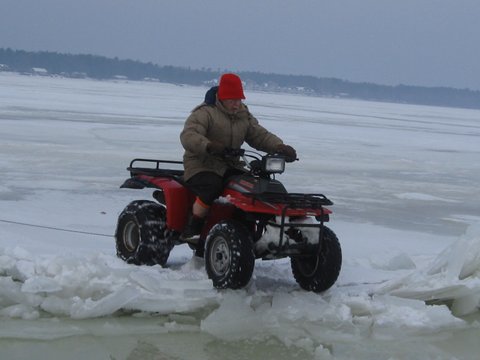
(404, 180)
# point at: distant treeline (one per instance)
(99, 67)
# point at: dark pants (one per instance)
(208, 186)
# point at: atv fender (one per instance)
(178, 199)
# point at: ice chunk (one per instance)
(398, 316)
(398, 262)
(56, 305)
(38, 284)
(20, 311)
(10, 291)
(23, 270)
(105, 306)
(6, 263)
(467, 304)
(322, 353)
(19, 253)
(236, 310)
(11, 294)
(453, 275)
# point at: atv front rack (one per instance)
(294, 200)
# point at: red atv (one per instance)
(254, 218)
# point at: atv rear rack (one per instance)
(154, 168)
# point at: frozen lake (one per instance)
(404, 180)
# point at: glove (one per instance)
(288, 151)
(215, 148)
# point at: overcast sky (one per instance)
(414, 42)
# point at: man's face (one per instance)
(232, 105)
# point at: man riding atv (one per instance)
(222, 121)
(256, 217)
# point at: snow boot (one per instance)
(199, 250)
(191, 232)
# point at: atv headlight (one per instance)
(273, 164)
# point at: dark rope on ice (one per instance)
(54, 228)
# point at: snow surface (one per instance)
(404, 180)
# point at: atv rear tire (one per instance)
(140, 235)
(319, 272)
(229, 257)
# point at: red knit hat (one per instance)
(230, 87)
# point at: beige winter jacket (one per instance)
(213, 123)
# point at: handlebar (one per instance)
(231, 152)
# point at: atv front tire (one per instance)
(229, 257)
(140, 235)
(318, 273)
